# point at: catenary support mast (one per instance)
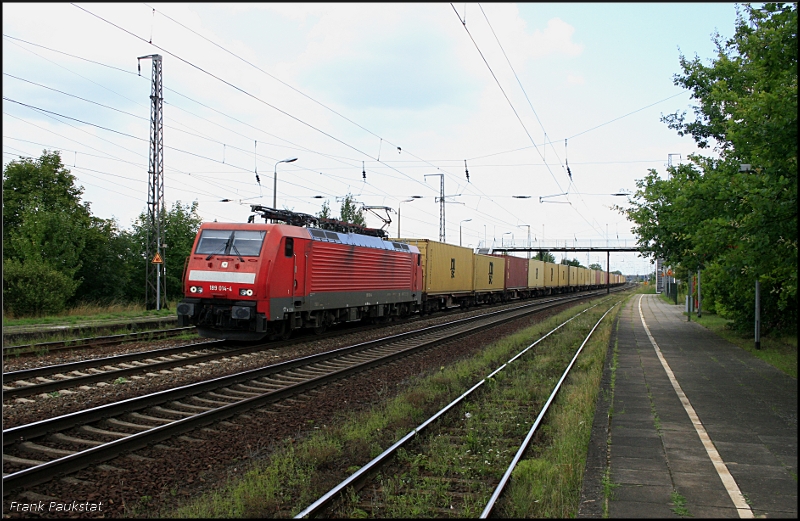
(156, 281)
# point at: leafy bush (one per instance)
(35, 288)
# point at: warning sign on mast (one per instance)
(157, 259)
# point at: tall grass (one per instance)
(89, 311)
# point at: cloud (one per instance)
(575, 79)
(555, 39)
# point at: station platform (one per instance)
(693, 425)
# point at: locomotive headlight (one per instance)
(246, 292)
(196, 289)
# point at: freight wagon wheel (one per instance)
(319, 329)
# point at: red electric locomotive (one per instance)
(247, 281)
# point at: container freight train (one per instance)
(249, 281)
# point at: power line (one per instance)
(256, 128)
(517, 78)
(243, 91)
(585, 131)
(167, 103)
(504, 94)
(272, 76)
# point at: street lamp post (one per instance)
(275, 181)
(459, 229)
(398, 210)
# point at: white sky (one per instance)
(398, 75)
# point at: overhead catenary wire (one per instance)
(497, 81)
(239, 89)
(242, 90)
(381, 167)
(381, 138)
(299, 147)
(492, 218)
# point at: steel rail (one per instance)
(358, 478)
(43, 427)
(18, 332)
(56, 385)
(524, 446)
(84, 343)
(47, 471)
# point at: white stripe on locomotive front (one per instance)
(222, 276)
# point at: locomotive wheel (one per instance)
(319, 329)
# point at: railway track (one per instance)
(35, 349)
(27, 334)
(382, 479)
(38, 452)
(54, 378)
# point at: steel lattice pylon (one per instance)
(156, 281)
(441, 202)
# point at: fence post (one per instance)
(689, 299)
(699, 302)
(758, 315)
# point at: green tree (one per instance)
(351, 212)
(573, 262)
(107, 252)
(737, 224)
(181, 224)
(325, 211)
(545, 256)
(595, 266)
(45, 228)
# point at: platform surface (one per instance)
(647, 457)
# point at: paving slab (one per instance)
(649, 444)
(658, 494)
(639, 509)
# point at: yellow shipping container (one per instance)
(573, 276)
(550, 275)
(446, 269)
(563, 274)
(536, 273)
(489, 273)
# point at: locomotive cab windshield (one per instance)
(244, 243)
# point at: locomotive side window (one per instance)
(289, 250)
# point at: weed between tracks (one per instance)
(451, 471)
